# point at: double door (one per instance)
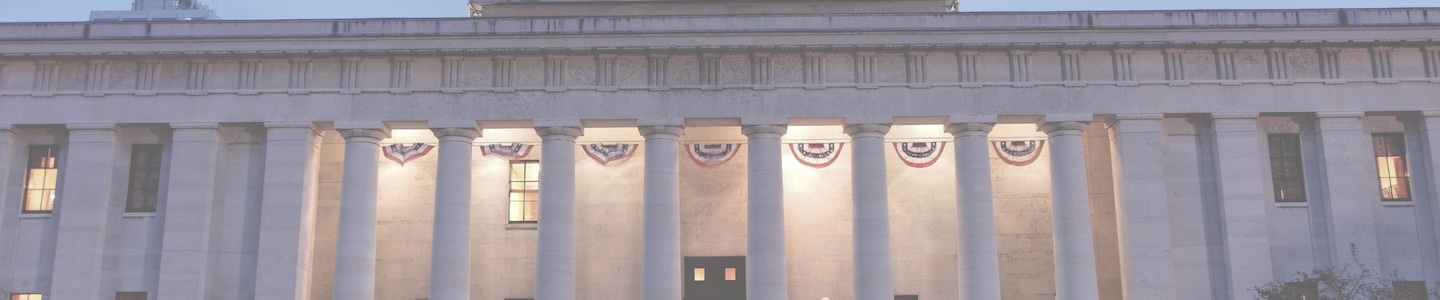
(715, 278)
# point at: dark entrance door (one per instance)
(715, 278)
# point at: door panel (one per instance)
(714, 278)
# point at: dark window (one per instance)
(1410, 290)
(1287, 169)
(1390, 161)
(1300, 290)
(144, 178)
(907, 297)
(41, 173)
(524, 191)
(35, 296)
(131, 296)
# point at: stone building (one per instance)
(717, 150)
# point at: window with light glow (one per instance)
(26, 297)
(144, 178)
(524, 191)
(41, 172)
(1287, 168)
(1390, 162)
(729, 274)
(699, 274)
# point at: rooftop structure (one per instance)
(158, 10)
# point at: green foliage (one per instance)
(1351, 281)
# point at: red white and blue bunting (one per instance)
(511, 151)
(610, 153)
(401, 154)
(921, 154)
(1018, 153)
(816, 155)
(710, 155)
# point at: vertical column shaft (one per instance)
(660, 258)
(184, 252)
(287, 211)
(355, 243)
(1239, 175)
(8, 222)
(1074, 242)
(555, 268)
(1142, 207)
(1428, 164)
(450, 248)
(1351, 187)
(765, 224)
(872, 213)
(979, 261)
(85, 206)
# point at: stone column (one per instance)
(355, 243)
(8, 222)
(1240, 177)
(872, 212)
(85, 206)
(660, 264)
(765, 212)
(185, 249)
(555, 269)
(1070, 203)
(1351, 186)
(287, 211)
(979, 261)
(1428, 160)
(1142, 207)
(450, 247)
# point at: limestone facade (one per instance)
(1153, 184)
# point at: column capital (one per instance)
(194, 126)
(559, 132)
(659, 131)
(1061, 128)
(867, 130)
(467, 134)
(1229, 116)
(1133, 120)
(1339, 115)
(463, 124)
(6, 127)
(969, 129)
(91, 127)
(357, 134)
(1426, 114)
(751, 130)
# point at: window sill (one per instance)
(1292, 204)
(35, 215)
(1397, 203)
(522, 226)
(139, 215)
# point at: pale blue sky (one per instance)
(79, 10)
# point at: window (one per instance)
(26, 297)
(131, 296)
(699, 274)
(41, 172)
(1287, 169)
(907, 297)
(144, 178)
(524, 191)
(1301, 290)
(729, 274)
(1390, 160)
(1410, 290)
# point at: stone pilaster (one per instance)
(1240, 178)
(1350, 184)
(1142, 207)
(287, 211)
(979, 263)
(85, 207)
(190, 195)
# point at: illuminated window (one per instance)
(1411, 290)
(729, 274)
(131, 296)
(699, 274)
(1301, 290)
(1390, 161)
(144, 178)
(524, 191)
(41, 173)
(1287, 169)
(26, 297)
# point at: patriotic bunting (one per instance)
(816, 155)
(511, 151)
(1018, 153)
(919, 155)
(608, 153)
(402, 154)
(710, 155)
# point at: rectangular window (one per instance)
(26, 297)
(41, 172)
(1390, 161)
(524, 191)
(1287, 169)
(1411, 290)
(131, 296)
(1302, 290)
(144, 178)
